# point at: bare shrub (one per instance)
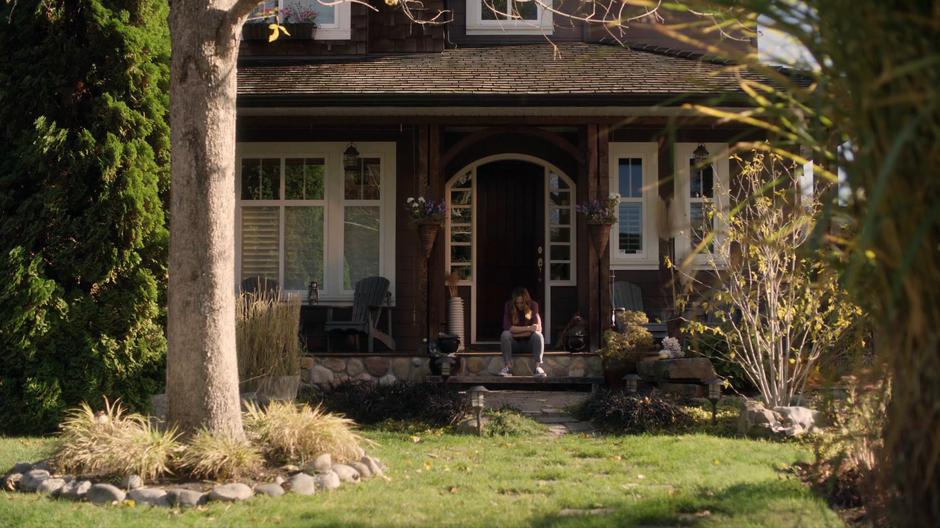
(298, 433)
(778, 304)
(110, 442)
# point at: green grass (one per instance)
(440, 479)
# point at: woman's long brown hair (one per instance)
(517, 316)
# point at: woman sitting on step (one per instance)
(522, 331)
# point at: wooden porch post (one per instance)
(593, 269)
(436, 192)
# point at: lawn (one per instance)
(449, 480)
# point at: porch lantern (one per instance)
(477, 397)
(714, 394)
(700, 155)
(631, 383)
(351, 159)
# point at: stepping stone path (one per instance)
(546, 407)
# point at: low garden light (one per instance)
(714, 394)
(477, 395)
(631, 382)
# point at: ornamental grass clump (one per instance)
(110, 442)
(267, 334)
(219, 457)
(298, 433)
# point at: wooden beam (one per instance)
(436, 192)
(603, 190)
(480, 135)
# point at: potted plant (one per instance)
(298, 21)
(622, 350)
(267, 344)
(267, 22)
(428, 216)
(600, 215)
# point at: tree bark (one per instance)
(202, 368)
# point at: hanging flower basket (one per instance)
(427, 231)
(600, 236)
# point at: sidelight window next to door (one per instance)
(634, 176)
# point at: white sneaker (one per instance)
(540, 373)
(506, 372)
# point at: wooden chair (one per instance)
(370, 293)
(629, 296)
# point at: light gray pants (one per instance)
(535, 343)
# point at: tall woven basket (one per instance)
(455, 320)
(428, 233)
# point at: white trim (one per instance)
(334, 204)
(341, 28)
(543, 25)
(680, 210)
(546, 305)
(648, 258)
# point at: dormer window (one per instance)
(331, 20)
(509, 17)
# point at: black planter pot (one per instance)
(297, 30)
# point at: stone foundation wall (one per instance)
(328, 370)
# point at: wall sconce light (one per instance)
(351, 159)
(700, 155)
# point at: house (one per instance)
(511, 121)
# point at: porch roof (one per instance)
(579, 74)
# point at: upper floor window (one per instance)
(701, 190)
(510, 17)
(332, 20)
(634, 175)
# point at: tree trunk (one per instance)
(202, 369)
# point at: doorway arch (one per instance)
(463, 225)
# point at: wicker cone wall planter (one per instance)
(600, 236)
(428, 233)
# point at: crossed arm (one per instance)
(526, 331)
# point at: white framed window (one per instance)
(701, 189)
(634, 175)
(509, 17)
(300, 217)
(332, 19)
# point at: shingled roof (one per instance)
(539, 74)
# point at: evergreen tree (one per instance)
(84, 173)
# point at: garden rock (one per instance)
(105, 494)
(50, 486)
(11, 481)
(150, 496)
(323, 463)
(328, 481)
(302, 484)
(373, 465)
(271, 490)
(75, 490)
(230, 492)
(799, 418)
(346, 473)
(132, 482)
(290, 469)
(43, 464)
(186, 498)
(278, 480)
(22, 467)
(363, 469)
(469, 425)
(32, 479)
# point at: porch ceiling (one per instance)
(534, 74)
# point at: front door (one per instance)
(510, 247)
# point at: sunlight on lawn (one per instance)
(448, 480)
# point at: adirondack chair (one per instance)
(629, 296)
(368, 298)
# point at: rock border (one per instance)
(322, 475)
